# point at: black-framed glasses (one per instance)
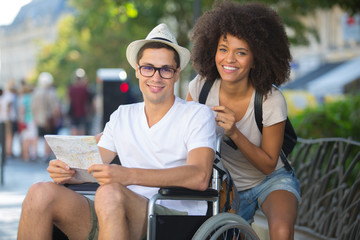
(149, 71)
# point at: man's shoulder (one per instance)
(129, 108)
(192, 107)
(125, 112)
(191, 104)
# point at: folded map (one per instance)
(79, 152)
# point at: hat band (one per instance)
(164, 39)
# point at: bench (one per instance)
(329, 173)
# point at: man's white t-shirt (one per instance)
(186, 126)
(244, 174)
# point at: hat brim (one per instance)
(134, 47)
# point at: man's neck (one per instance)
(156, 111)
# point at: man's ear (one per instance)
(137, 71)
(177, 74)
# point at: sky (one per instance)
(9, 9)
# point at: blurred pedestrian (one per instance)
(80, 104)
(9, 112)
(97, 105)
(46, 109)
(26, 124)
(2, 135)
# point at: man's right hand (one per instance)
(60, 172)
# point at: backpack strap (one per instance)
(258, 119)
(202, 99)
(258, 110)
(205, 91)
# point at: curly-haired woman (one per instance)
(243, 48)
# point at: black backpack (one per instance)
(290, 137)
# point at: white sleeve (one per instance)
(274, 108)
(107, 139)
(201, 131)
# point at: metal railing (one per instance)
(329, 174)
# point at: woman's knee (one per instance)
(281, 230)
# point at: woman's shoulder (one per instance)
(274, 108)
(195, 86)
(275, 96)
(197, 82)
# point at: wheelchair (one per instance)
(215, 225)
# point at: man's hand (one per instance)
(60, 172)
(108, 173)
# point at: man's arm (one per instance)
(106, 155)
(194, 175)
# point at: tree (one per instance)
(97, 36)
(63, 57)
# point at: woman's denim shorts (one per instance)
(252, 199)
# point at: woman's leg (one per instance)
(280, 208)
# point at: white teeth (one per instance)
(229, 68)
(156, 87)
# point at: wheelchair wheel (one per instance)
(225, 226)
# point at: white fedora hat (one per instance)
(160, 33)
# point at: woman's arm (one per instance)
(265, 157)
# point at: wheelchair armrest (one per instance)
(83, 188)
(185, 192)
(177, 193)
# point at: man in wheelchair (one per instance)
(163, 141)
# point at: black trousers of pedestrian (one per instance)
(2, 151)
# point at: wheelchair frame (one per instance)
(216, 226)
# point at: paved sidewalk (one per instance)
(18, 177)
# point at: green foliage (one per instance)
(62, 58)
(99, 33)
(334, 119)
(353, 6)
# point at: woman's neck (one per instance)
(238, 90)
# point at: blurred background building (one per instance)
(20, 42)
(326, 67)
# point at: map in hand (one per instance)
(79, 152)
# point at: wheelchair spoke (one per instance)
(225, 226)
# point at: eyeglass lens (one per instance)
(149, 71)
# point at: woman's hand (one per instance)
(226, 119)
(60, 172)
